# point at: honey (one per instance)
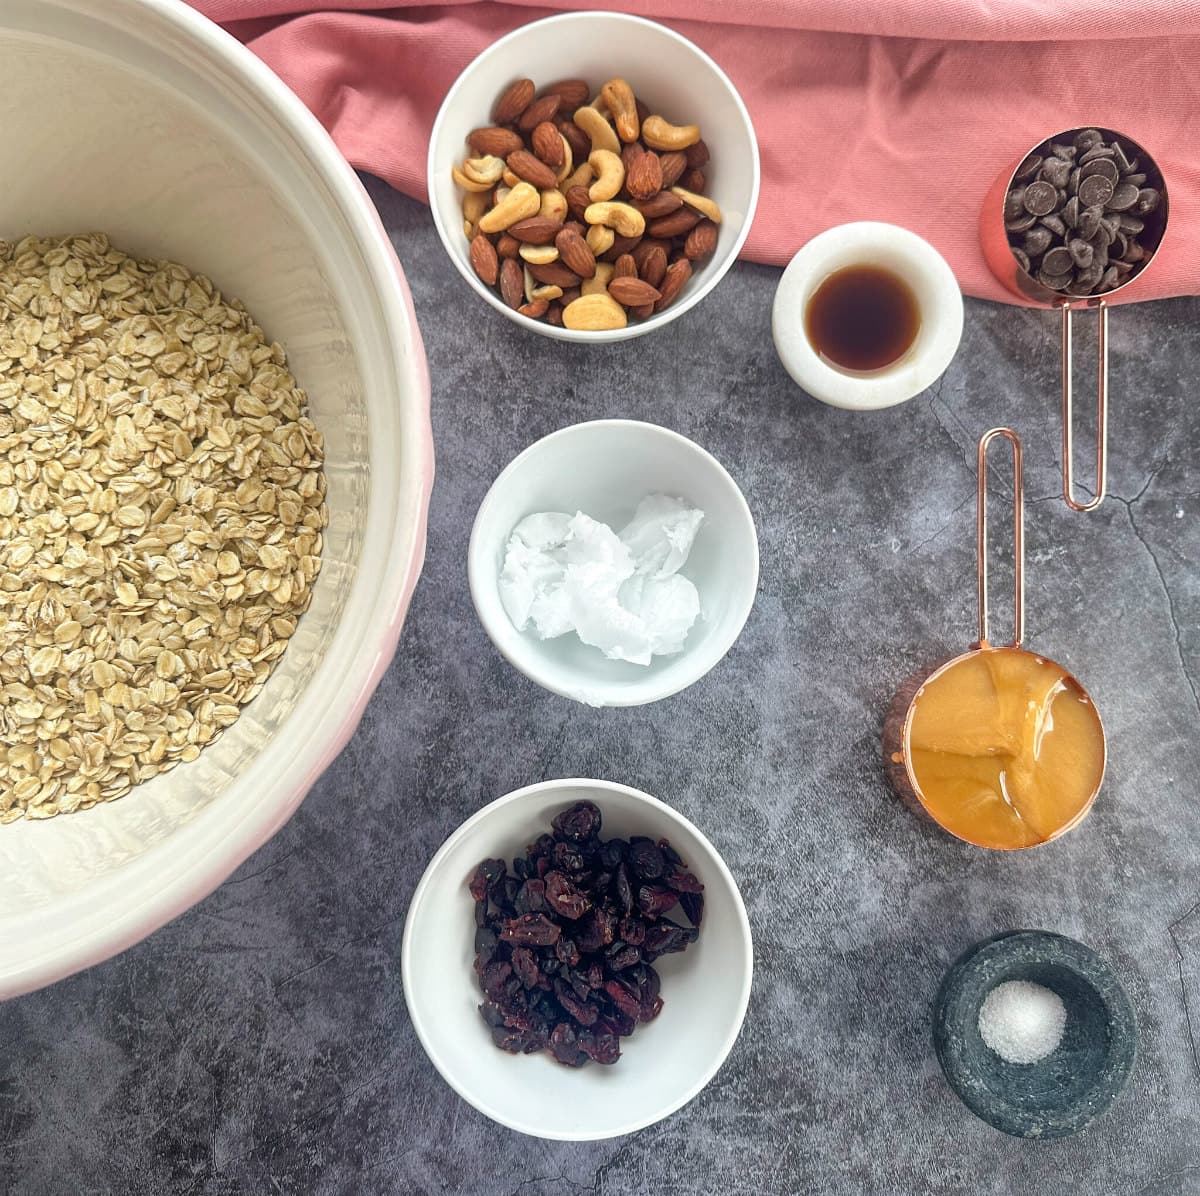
(1005, 748)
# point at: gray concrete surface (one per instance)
(260, 1044)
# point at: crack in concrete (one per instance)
(1187, 1009)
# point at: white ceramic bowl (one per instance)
(904, 254)
(142, 119)
(663, 1064)
(666, 71)
(604, 469)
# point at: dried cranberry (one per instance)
(683, 881)
(662, 937)
(645, 859)
(491, 1014)
(564, 1045)
(623, 999)
(567, 952)
(583, 1012)
(654, 900)
(626, 957)
(566, 858)
(622, 889)
(486, 875)
(485, 947)
(531, 898)
(612, 853)
(693, 906)
(633, 931)
(563, 898)
(531, 930)
(651, 1011)
(580, 822)
(525, 965)
(601, 1047)
(494, 977)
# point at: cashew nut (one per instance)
(600, 239)
(618, 97)
(530, 285)
(546, 291)
(554, 205)
(487, 169)
(594, 313)
(475, 203)
(581, 178)
(539, 255)
(598, 283)
(523, 200)
(568, 162)
(701, 203)
(625, 220)
(500, 195)
(610, 175)
(660, 134)
(598, 129)
(468, 184)
(510, 177)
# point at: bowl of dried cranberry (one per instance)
(593, 175)
(577, 960)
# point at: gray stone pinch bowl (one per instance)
(1058, 1095)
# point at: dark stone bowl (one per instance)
(1060, 1094)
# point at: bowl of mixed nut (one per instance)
(593, 175)
(577, 960)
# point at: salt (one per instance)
(1021, 1021)
(619, 592)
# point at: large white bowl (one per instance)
(666, 71)
(663, 1065)
(142, 119)
(604, 468)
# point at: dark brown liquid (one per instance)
(862, 318)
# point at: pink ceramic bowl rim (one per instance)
(153, 899)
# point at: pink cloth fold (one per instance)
(899, 110)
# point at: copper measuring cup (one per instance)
(897, 732)
(1003, 263)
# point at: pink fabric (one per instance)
(900, 110)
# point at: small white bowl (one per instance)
(666, 71)
(665, 1063)
(604, 469)
(904, 254)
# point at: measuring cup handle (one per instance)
(1068, 448)
(981, 550)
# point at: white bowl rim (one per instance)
(476, 552)
(659, 319)
(659, 807)
(139, 897)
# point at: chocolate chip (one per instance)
(1021, 223)
(1089, 221)
(1109, 281)
(1138, 180)
(1087, 139)
(1123, 197)
(1070, 212)
(1095, 189)
(1038, 240)
(1022, 259)
(1073, 181)
(1134, 253)
(1056, 172)
(1081, 253)
(1055, 282)
(1040, 198)
(1013, 206)
(1055, 224)
(1029, 167)
(1131, 224)
(1147, 201)
(1120, 159)
(1057, 261)
(1102, 166)
(1097, 151)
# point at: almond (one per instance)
(536, 230)
(677, 275)
(644, 312)
(675, 224)
(625, 267)
(662, 204)
(620, 246)
(535, 309)
(644, 177)
(512, 283)
(696, 155)
(701, 241)
(629, 152)
(513, 101)
(569, 295)
(578, 200)
(554, 315)
(556, 274)
(653, 267)
(693, 180)
(646, 246)
(494, 142)
(632, 292)
(548, 144)
(574, 252)
(523, 164)
(484, 260)
(673, 166)
(508, 245)
(577, 139)
(540, 110)
(574, 93)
